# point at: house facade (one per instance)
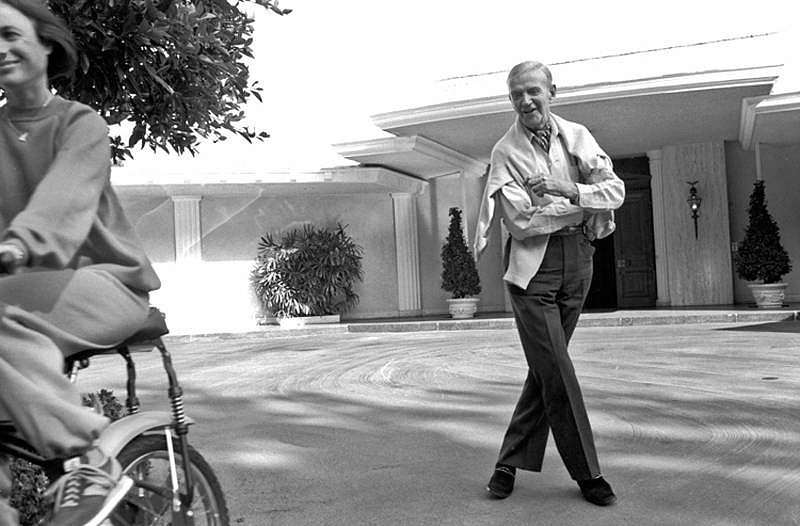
(714, 116)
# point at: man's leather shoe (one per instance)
(502, 482)
(597, 491)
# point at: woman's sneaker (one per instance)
(87, 493)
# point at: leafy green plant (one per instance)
(459, 274)
(27, 491)
(176, 69)
(760, 255)
(309, 271)
(30, 481)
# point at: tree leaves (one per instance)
(459, 274)
(309, 271)
(760, 255)
(175, 68)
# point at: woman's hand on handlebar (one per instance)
(11, 258)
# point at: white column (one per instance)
(759, 174)
(465, 206)
(659, 228)
(407, 253)
(188, 245)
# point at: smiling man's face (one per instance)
(531, 93)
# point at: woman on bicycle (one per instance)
(74, 273)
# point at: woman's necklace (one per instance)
(22, 136)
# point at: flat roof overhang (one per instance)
(415, 155)
(627, 118)
(770, 119)
(346, 180)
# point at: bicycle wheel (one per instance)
(146, 460)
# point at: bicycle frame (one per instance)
(122, 431)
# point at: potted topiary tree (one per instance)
(760, 256)
(308, 272)
(459, 274)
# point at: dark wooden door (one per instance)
(634, 253)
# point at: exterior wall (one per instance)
(699, 270)
(490, 267)
(434, 220)
(152, 217)
(741, 166)
(214, 294)
(780, 168)
(429, 224)
(232, 226)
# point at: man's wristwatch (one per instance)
(575, 195)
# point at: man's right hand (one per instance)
(535, 181)
(11, 258)
(545, 184)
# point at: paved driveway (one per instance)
(695, 425)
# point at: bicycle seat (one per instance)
(153, 328)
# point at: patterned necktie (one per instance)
(542, 137)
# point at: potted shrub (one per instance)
(459, 274)
(760, 257)
(307, 272)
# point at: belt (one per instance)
(572, 230)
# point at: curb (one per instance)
(586, 320)
(617, 319)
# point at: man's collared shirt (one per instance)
(542, 136)
(521, 216)
(530, 219)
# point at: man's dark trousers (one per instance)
(546, 315)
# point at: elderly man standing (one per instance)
(555, 190)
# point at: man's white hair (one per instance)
(529, 65)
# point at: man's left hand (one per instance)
(541, 185)
(11, 258)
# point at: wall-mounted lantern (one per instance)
(694, 203)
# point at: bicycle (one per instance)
(151, 447)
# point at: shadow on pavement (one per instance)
(405, 430)
(778, 326)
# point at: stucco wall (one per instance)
(780, 170)
(232, 226)
(214, 294)
(434, 219)
(741, 167)
(152, 217)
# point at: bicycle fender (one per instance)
(117, 435)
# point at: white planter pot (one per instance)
(461, 308)
(768, 295)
